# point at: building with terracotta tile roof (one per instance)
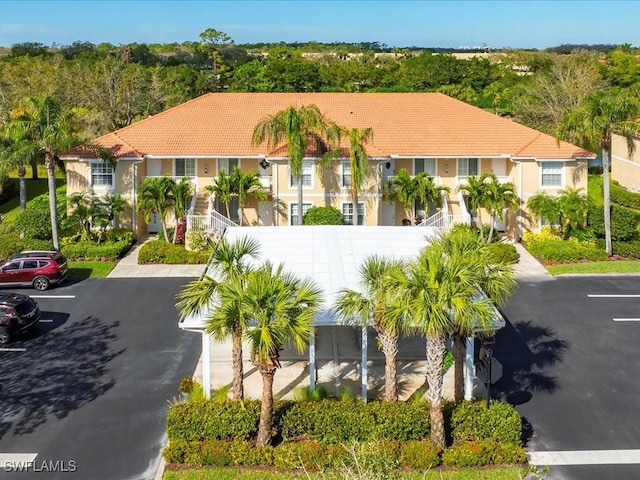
(420, 132)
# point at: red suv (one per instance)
(31, 268)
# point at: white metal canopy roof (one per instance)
(330, 255)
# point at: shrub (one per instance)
(472, 421)
(198, 239)
(623, 197)
(503, 252)
(121, 235)
(34, 223)
(624, 223)
(10, 241)
(323, 216)
(419, 455)
(159, 251)
(33, 244)
(93, 251)
(483, 452)
(629, 250)
(571, 250)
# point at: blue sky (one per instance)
(522, 24)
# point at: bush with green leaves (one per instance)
(556, 250)
(198, 240)
(630, 250)
(500, 422)
(323, 216)
(34, 223)
(159, 251)
(93, 251)
(504, 253)
(624, 223)
(479, 453)
(623, 197)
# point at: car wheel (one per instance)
(41, 283)
(4, 335)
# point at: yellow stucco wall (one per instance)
(625, 166)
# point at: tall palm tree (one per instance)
(279, 309)
(591, 125)
(296, 127)
(228, 262)
(495, 280)
(16, 152)
(155, 195)
(498, 196)
(475, 189)
(41, 121)
(379, 281)
(222, 189)
(408, 189)
(181, 191)
(245, 185)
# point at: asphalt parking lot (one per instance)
(88, 393)
(570, 359)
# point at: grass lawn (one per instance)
(11, 209)
(84, 270)
(596, 268)
(594, 189)
(511, 473)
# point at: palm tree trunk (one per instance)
(164, 227)
(22, 172)
(53, 211)
(436, 346)
(300, 199)
(354, 202)
(236, 360)
(479, 222)
(493, 221)
(607, 200)
(459, 350)
(389, 343)
(266, 407)
(34, 167)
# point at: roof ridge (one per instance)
(524, 147)
(133, 149)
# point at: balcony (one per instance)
(265, 181)
(462, 179)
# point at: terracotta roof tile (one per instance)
(111, 141)
(405, 124)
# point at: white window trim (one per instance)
(342, 167)
(364, 211)
(92, 165)
(458, 174)
(195, 167)
(304, 204)
(304, 187)
(435, 165)
(562, 175)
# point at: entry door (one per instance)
(265, 214)
(388, 213)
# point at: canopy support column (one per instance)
(206, 364)
(364, 370)
(312, 361)
(469, 370)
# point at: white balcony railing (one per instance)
(214, 223)
(462, 179)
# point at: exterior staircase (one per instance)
(202, 203)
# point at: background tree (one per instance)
(296, 127)
(211, 42)
(228, 262)
(17, 153)
(591, 125)
(379, 282)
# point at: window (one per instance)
(293, 207)
(185, 167)
(427, 165)
(347, 213)
(101, 174)
(30, 264)
(551, 174)
(307, 175)
(227, 164)
(346, 174)
(467, 167)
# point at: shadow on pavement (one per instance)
(61, 370)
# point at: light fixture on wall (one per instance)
(206, 168)
(264, 163)
(446, 168)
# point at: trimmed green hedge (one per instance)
(473, 421)
(630, 250)
(159, 251)
(623, 197)
(569, 251)
(323, 216)
(483, 452)
(96, 251)
(624, 222)
(503, 252)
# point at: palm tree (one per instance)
(228, 261)
(296, 127)
(544, 206)
(498, 196)
(155, 195)
(569, 208)
(17, 153)
(41, 121)
(495, 280)
(222, 189)
(279, 310)
(408, 189)
(106, 210)
(474, 189)
(441, 292)
(591, 125)
(181, 191)
(379, 280)
(245, 184)
(79, 204)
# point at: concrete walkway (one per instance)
(528, 268)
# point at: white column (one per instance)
(312, 361)
(206, 364)
(364, 372)
(469, 370)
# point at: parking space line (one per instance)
(12, 458)
(613, 296)
(45, 321)
(626, 319)
(52, 296)
(585, 457)
(12, 349)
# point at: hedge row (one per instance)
(565, 251)
(413, 455)
(624, 222)
(96, 251)
(503, 252)
(337, 421)
(159, 251)
(624, 197)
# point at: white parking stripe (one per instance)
(13, 458)
(613, 296)
(45, 321)
(52, 296)
(626, 319)
(585, 457)
(12, 349)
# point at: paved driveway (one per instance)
(573, 371)
(90, 391)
